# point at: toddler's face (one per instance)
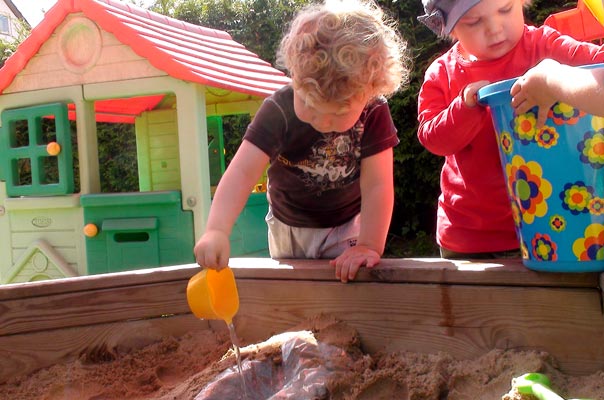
(490, 29)
(329, 117)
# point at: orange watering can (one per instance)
(212, 294)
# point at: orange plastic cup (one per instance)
(212, 294)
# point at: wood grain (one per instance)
(424, 305)
(464, 320)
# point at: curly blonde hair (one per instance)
(342, 48)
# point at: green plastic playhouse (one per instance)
(174, 82)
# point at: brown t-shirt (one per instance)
(314, 177)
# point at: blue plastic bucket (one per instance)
(555, 181)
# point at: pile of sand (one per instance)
(322, 359)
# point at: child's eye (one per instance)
(472, 22)
(506, 10)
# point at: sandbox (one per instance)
(415, 327)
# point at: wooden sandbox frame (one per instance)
(423, 305)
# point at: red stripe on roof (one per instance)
(162, 19)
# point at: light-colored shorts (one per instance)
(286, 241)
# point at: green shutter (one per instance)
(25, 164)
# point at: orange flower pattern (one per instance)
(528, 188)
(557, 223)
(592, 149)
(564, 114)
(525, 127)
(576, 197)
(591, 246)
(506, 142)
(543, 248)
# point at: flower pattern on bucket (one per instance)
(591, 246)
(576, 197)
(596, 206)
(506, 142)
(592, 149)
(525, 127)
(564, 114)
(544, 248)
(517, 214)
(528, 188)
(547, 137)
(597, 123)
(557, 223)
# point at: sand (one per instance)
(320, 359)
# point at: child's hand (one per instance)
(470, 91)
(348, 263)
(212, 250)
(532, 89)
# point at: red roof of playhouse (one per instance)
(183, 50)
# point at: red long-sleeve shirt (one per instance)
(474, 213)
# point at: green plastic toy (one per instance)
(537, 385)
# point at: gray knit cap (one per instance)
(442, 15)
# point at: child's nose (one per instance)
(494, 25)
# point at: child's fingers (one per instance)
(346, 268)
(515, 88)
(542, 116)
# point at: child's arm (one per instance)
(550, 81)
(213, 248)
(377, 192)
(447, 126)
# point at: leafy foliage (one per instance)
(9, 46)
(416, 170)
(117, 157)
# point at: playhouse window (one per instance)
(23, 166)
(117, 157)
(36, 157)
(4, 24)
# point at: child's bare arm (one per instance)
(377, 192)
(213, 248)
(550, 81)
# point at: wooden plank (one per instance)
(417, 305)
(96, 282)
(601, 286)
(24, 354)
(420, 270)
(89, 307)
(463, 320)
